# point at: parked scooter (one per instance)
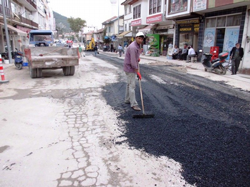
(18, 59)
(218, 66)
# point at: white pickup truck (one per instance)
(47, 57)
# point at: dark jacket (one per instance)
(241, 52)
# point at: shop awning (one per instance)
(147, 29)
(123, 34)
(164, 27)
(18, 31)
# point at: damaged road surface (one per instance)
(77, 131)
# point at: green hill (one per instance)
(62, 24)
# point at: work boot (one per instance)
(137, 108)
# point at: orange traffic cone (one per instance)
(1, 72)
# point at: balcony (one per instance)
(28, 21)
(7, 11)
(29, 4)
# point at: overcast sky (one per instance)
(94, 12)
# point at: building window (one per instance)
(129, 8)
(233, 20)
(125, 27)
(159, 6)
(224, 21)
(130, 27)
(137, 12)
(177, 6)
(126, 10)
(154, 6)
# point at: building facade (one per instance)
(200, 23)
(23, 16)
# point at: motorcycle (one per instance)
(218, 66)
(18, 59)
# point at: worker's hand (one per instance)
(139, 60)
(138, 75)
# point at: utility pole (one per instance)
(6, 30)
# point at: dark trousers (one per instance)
(235, 65)
(175, 56)
(183, 56)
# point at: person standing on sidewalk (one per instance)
(80, 50)
(120, 50)
(191, 53)
(236, 55)
(131, 63)
(95, 49)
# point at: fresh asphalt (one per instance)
(201, 124)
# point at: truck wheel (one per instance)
(39, 73)
(33, 73)
(72, 70)
(66, 71)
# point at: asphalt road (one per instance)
(201, 124)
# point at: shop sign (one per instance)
(136, 22)
(185, 29)
(170, 31)
(199, 5)
(153, 19)
(187, 21)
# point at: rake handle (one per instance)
(142, 104)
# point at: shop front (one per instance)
(162, 28)
(223, 31)
(188, 32)
(166, 34)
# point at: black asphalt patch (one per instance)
(201, 124)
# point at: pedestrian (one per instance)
(95, 49)
(80, 50)
(236, 55)
(175, 54)
(120, 50)
(191, 53)
(125, 49)
(184, 53)
(112, 48)
(131, 63)
(170, 51)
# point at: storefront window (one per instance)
(178, 6)
(221, 21)
(233, 20)
(185, 38)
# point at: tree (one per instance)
(76, 24)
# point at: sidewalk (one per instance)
(240, 81)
